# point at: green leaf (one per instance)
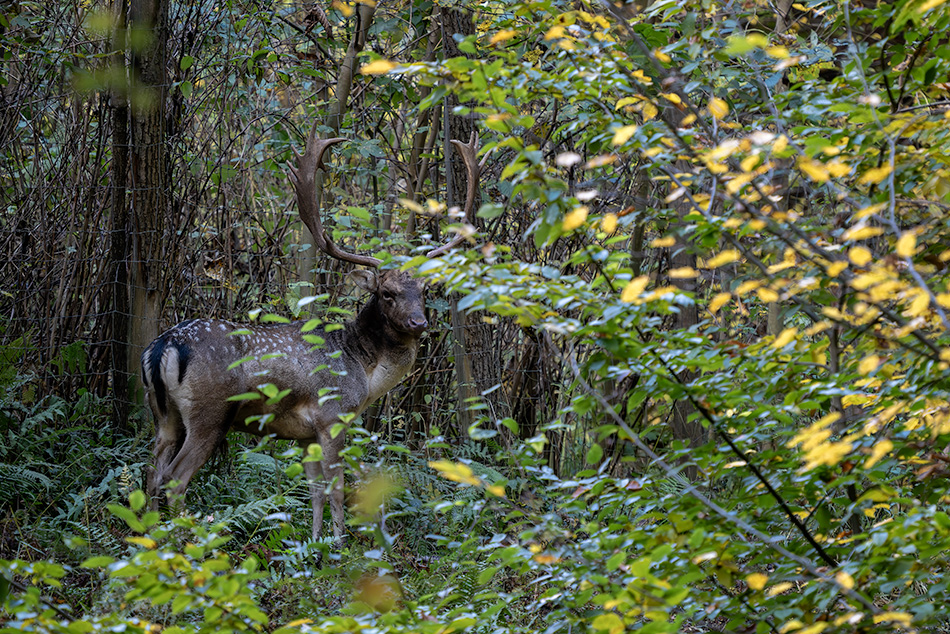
(608, 623)
(490, 210)
(594, 454)
(128, 516)
(616, 560)
(137, 500)
(486, 575)
(100, 561)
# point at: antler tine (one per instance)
(469, 153)
(302, 176)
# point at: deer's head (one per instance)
(400, 297)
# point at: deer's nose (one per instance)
(418, 324)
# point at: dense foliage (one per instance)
(722, 228)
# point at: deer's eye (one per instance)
(387, 296)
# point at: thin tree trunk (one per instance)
(119, 247)
(150, 182)
(479, 360)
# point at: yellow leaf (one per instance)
(944, 299)
(718, 302)
(906, 245)
(622, 135)
(767, 295)
(869, 211)
(343, 7)
(649, 111)
(718, 108)
(784, 338)
(377, 67)
(608, 223)
(920, 303)
(777, 52)
(503, 36)
(748, 163)
(856, 399)
(745, 287)
(829, 454)
(836, 267)
(626, 101)
(779, 588)
(724, 150)
(145, 542)
(814, 170)
(672, 97)
(756, 581)
(683, 273)
(575, 219)
(875, 175)
(790, 626)
(739, 182)
(455, 471)
(298, 623)
(859, 256)
(497, 490)
(900, 617)
(818, 327)
(930, 4)
(664, 242)
(844, 580)
(881, 449)
(634, 288)
(869, 364)
(641, 77)
(600, 161)
(838, 169)
(780, 144)
(725, 257)
(662, 57)
(554, 32)
(861, 232)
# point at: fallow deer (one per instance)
(191, 371)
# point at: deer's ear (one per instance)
(365, 279)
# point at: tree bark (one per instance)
(148, 20)
(119, 244)
(478, 368)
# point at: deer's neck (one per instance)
(387, 354)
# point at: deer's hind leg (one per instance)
(169, 437)
(205, 426)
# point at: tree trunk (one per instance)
(478, 369)
(119, 244)
(150, 171)
(684, 256)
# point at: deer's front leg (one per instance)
(333, 471)
(318, 487)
